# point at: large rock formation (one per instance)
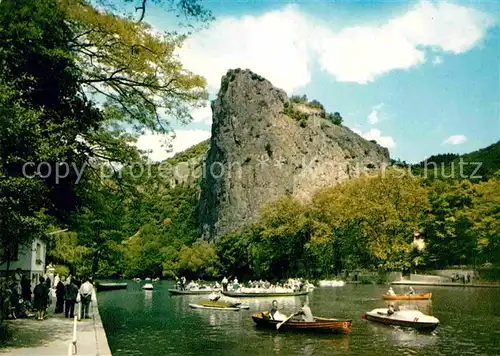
(258, 153)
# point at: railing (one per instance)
(72, 347)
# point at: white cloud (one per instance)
(373, 116)
(374, 134)
(455, 140)
(282, 45)
(360, 54)
(437, 60)
(163, 146)
(452, 28)
(203, 114)
(274, 45)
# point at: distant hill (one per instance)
(193, 152)
(478, 165)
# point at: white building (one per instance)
(30, 259)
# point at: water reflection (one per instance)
(277, 344)
(148, 298)
(404, 337)
(138, 324)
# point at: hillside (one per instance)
(478, 165)
(264, 146)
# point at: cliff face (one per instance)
(258, 153)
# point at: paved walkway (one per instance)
(450, 284)
(54, 335)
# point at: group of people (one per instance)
(69, 292)
(291, 285)
(19, 300)
(305, 312)
(410, 291)
(461, 278)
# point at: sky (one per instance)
(419, 77)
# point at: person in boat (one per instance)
(390, 309)
(236, 285)
(306, 312)
(214, 297)
(274, 313)
(224, 283)
(391, 291)
(183, 283)
(411, 291)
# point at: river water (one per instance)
(141, 322)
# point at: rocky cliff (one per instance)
(264, 146)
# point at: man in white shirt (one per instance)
(307, 313)
(85, 297)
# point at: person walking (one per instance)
(70, 294)
(86, 296)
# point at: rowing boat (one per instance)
(263, 294)
(213, 307)
(422, 296)
(410, 318)
(110, 286)
(319, 325)
(191, 291)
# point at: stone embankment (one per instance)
(54, 335)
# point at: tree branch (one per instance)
(143, 9)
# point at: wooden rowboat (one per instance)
(422, 296)
(213, 307)
(110, 286)
(191, 291)
(263, 294)
(319, 325)
(409, 318)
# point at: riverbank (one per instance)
(445, 284)
(54, 335)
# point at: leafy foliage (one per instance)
(134, 69)
(479, 165)
(334, 118)
(72, 78)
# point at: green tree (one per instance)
(447, 225)
(484, 218)
(379, 212)
(76, 77)
(284, 232)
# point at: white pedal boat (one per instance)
(199, 306)
(410, 318)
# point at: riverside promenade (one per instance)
(54, 335)
(445, 284)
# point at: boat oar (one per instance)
(284, 321)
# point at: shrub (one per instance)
(334, 118)
(269, 150)
(61, 270)
(300, 99)
(316, 104)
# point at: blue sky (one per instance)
(420, 78)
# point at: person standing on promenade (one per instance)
(70, 293)
(26, 291)
(60, 289)
(41, 293)
(86, 295)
